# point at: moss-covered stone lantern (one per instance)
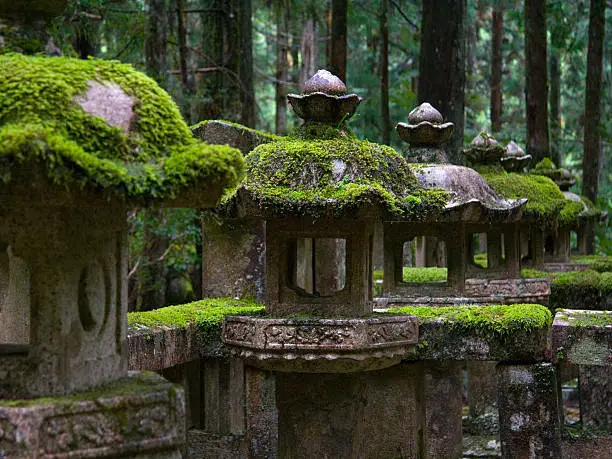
(483, 150)
(473, 211)
(81, 141)
(319, 193)
(515, 159)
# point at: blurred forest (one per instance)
(237, 60)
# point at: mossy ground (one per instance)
(322, 169)
(41, 122)
(495, 320)
(581, 290)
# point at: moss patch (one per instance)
(545, 199)
(42, 123)
(206, 315)
(585, 318)
(495, 320)
(321, 170)
(596, 262)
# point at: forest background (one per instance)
(237, 60)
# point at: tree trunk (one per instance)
(536, 80)
(183, 49)
(555, 105)
(337, 58)
(442, 66)
(156, 40)
(308, 50)
(496, 68)
(384, 74)
(282, 73)
(245, 59)
(591, 161)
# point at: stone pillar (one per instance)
(482, 397)
(261, 413)
(233, 257)
(512, 253)
(528, 411)
(494, 250)
(595, 396)
(443, 409)
(330, 265)
(332, 415)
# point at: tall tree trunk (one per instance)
(555, 105)
(536, 81)
(591, 161)
(384, 74)
(152, 280)
(337, 61)
(308, 50)
(245, 59)
(156, 41)
(183, 48)
(282, 71)
(496, 67)
(442, 66)
(211, 101)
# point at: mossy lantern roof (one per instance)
(100, 128)
(323, 170)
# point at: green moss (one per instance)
(338, 174)
(157, 158)
(206, 315)
(535, 274)
(578, 278)
(546, 163)
(581, 290)
(586, 318)
(134, 385)
(570, 212)
(244, 129)
(545, 199)
(596, 262)
(494, 320)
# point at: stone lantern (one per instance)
(473, 208)
(515, 159)
(321, 187)
(484, 150)
(80, 143)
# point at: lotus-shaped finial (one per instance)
(514, 159)
(484, 149)
(324, 99)
(425, 127)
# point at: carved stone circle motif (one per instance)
(321, 345)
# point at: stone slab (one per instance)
(582, 337)
(138, 416)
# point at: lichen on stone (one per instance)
(44, 121)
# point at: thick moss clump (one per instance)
(321, 170)
(499, 321)
(206, 314)
(43, 122)
(597, 263)
(545, 199)
(581, 290)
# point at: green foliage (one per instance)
(596, 262)
(41, 122)
(545, 199)
(419, 275)
(495, 320)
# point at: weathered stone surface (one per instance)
(443, 407)
(77, 260)
(482, 398)
(201, 444)
(508, 291)
(110, 102)
(425, 127)
(371, 414)
(582, 337)
(320, 345)
(596, 396)
(218, 132)
(14, 299)
(529, 423)
(261, 413)
(139, 416)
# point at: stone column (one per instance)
(261, 413)
(332, 415)
(14, 299)
(443, 408)
(494, 250)
(528, 411)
